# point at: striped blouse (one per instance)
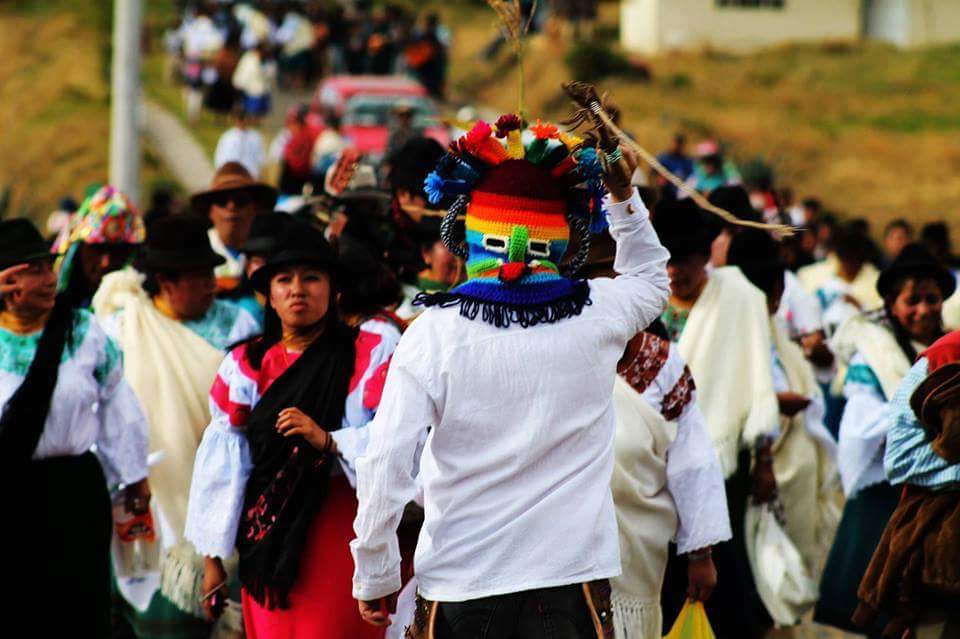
(909, 457)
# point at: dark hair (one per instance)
(813, 204)
(851, 244)
(367, 294)
(150, 282)
(368, 285)
(936, 237)
(681, 228)
(736, 200)
(898, 223)
(757, 255)
(77, 290)
(412, 163)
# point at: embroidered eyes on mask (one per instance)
(495, 243)
(499, 244)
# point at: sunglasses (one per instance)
(239, 199)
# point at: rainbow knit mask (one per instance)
(520, 200)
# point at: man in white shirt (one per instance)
(241, 144)
(511, 373)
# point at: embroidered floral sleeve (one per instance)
(376, 342)
(223, 462)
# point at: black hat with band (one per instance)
(179, 243)
(298, 243)
(21, 243)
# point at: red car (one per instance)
(365, 105)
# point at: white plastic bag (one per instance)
(783, 581)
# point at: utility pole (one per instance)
(125, 98)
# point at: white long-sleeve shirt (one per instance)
(516, 469)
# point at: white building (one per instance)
(913, 23)
(654, 26)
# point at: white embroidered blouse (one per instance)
(223, 461)
(92, 407)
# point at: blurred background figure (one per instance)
(897, 234)
(242, 144)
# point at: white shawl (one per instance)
(726, 344)
(863, 287)
(877, 345)
(803, 461)
(171, 370)
(646, 515)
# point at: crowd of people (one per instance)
(235, 53)
(513, 394)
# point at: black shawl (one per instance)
(26, 412)
(290, 478)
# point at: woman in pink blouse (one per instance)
(274, 471)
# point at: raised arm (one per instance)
(639, 295)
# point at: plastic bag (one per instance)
(783, 581)
(691, 623)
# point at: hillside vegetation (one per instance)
(871, 130)
(55, 102)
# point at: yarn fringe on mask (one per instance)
(503, 315)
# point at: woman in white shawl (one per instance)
(171, 336)
(667, 484)
(804, 452)
(878, 350)
(720, 325)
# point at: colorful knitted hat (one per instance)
(106, 217)
(521, 192)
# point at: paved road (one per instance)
(178, 149)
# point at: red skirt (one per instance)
(321, 600)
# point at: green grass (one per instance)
(55, 102)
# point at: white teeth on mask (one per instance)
(534, 264)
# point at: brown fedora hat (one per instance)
(233, 177)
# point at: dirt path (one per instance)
(177, 148)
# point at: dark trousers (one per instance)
(545, 613)
(56, 538)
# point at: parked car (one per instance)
(367, 121)
(334, 92)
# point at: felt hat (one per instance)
(264, 231)
(233, 178)
(916, 261)
(298, 243)
(178, 243)
(21, 243)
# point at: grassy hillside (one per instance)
(871, 130)
(55, 103)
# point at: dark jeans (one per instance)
(546, 613)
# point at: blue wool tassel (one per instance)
(437, 188)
